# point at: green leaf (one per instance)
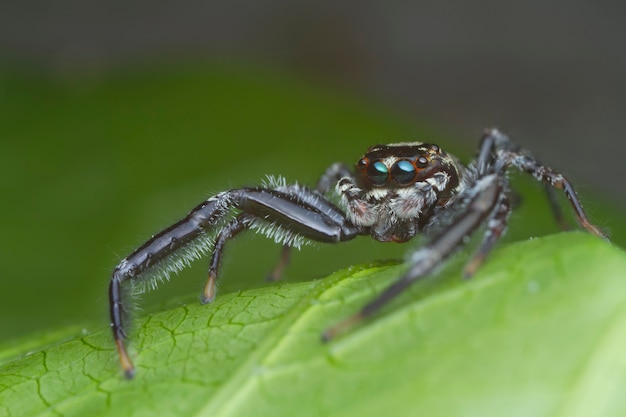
(539, 331)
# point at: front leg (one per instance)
(295, 212)
(496, 226)
(298, 215)
(162, 254)
(325, 185)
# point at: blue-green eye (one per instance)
(377, 173)
(403, 172)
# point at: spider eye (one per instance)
(377, 173)
(403, 172)
(421, 162)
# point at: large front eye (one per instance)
(403, 172)
(377, 173)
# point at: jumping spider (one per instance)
(396, 192)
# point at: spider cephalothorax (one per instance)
(397, 188)
(396, 191)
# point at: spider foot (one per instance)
(208, 295)
(472, 266)
(127, 364)
(276, 274)
(593, 229)
(341, 327)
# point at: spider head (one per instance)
(402, 165)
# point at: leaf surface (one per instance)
(539, 331)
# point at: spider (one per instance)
(396, 191)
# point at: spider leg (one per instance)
(331, 176)
(558, 181)
(148, 255)
(557, 213)
(233, 228)
(510, 154)
(489, 189)
(297, 210)
(492, 140)
(283, 260)
(326, 182)
(116, 310)
(290, 230)
(496, 226)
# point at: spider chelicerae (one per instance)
(395, 192)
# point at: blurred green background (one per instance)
(116, 119)
(93, 166)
